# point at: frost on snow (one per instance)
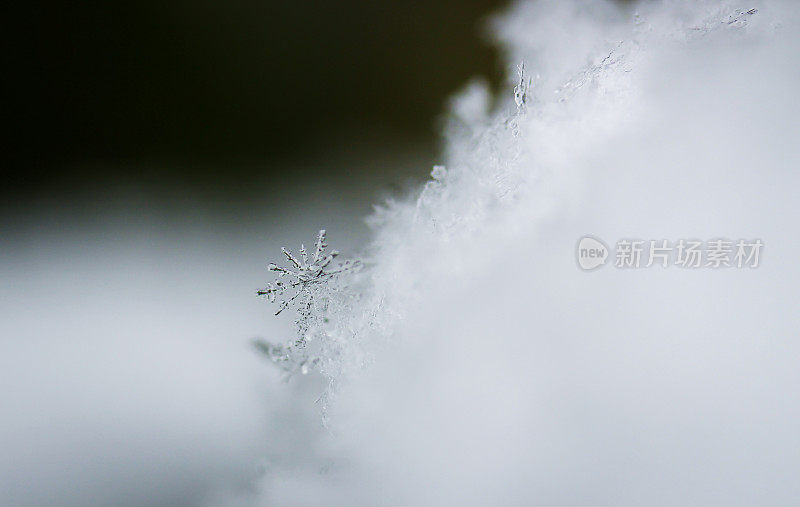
(492, 155)
(471, 363)
(502, 161)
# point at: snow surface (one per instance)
(482, 367)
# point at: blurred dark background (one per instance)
(229, 94)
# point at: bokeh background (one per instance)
(230, 94)
(159, 155)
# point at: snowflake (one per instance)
(304, 274)
(309, 284)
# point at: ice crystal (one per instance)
(310, 284)
(523, 87)
(302, 276)
(522, 96)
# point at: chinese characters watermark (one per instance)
(684, 253)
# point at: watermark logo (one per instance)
(592, 253)
(684, 253)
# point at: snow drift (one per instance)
(480, 366)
